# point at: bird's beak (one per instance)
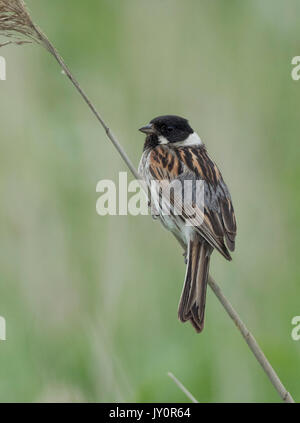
(148, 129)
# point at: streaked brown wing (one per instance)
(164, 163)
(218, 223)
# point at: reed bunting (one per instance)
(173, 153)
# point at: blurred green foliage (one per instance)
(91, 302)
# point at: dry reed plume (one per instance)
(16, 23)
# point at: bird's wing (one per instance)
(214, 219)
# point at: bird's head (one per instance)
(171, 129)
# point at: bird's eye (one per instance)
(170, 129)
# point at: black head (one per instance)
(168, 129)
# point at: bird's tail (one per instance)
(193, 297)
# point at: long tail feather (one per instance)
(193, 297)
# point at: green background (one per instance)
(91, 302)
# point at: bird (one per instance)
(174, 153)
